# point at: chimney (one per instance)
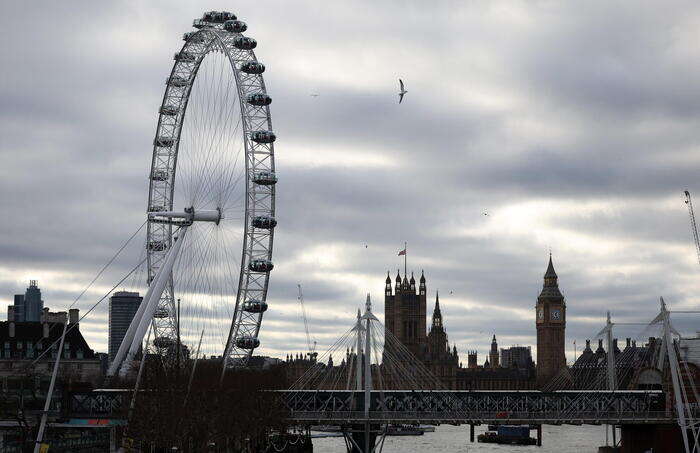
(629, 341)
(45, 315)
(46, 329)
(73, 316)
(12, 329)
(614, 345)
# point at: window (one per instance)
(79, 354)
(19, 344)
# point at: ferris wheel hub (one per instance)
(190, 215)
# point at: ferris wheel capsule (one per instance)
(259, 99)
(157, 246)
(264, 222)
(185, 57)
(260, 265)
(193, 37)
(245, 43)
(255, 306)
(177, 81)
(226, 15)
(169, 110)
(247, 342)
(159, 175)
(235, 26)
(253, 67)
(165, 142)
(265, 178)
(263, 136)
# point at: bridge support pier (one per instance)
(643, 438)
(357, 439)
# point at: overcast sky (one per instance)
(574, 126)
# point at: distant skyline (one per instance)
(576, 129)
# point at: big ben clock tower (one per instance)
(551, 325)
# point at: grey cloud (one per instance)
(614, 84)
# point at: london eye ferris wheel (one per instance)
(211, 201)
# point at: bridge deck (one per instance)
(457, 407)
(342, 407)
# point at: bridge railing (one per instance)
(553, 417)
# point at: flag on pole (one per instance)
(402, 252)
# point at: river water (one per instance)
(447, 439)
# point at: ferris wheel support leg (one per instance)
(129, 336)
(158, 286)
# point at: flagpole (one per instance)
(404, 259)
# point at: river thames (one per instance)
(446, 438)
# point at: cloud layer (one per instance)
(574, 129)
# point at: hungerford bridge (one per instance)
(363, 401)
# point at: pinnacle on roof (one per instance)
(388, 279)
(550, 269)
(413, 280)
(437, 304)
(398, 276)
(550, 288)
(422, 276)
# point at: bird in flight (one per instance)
(314, 95)
(402, 91)
(486, 213)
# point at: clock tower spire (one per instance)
(550, 319)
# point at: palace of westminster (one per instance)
(405, 315)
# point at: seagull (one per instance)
(402, 91)
(486, 213)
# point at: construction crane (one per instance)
(312, 347)
(693, 225)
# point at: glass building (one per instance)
(122, 308)
(27, 306)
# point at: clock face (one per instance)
(540, 313)
(556, 314)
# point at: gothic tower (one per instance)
(493, 354)
(440, 360)
(405, 312)
(551, 326)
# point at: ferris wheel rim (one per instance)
(259, 196)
